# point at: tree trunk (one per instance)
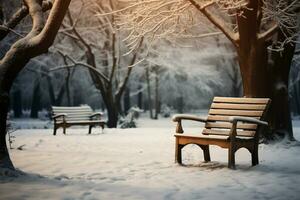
(112, 107)
(140, 97)
(78, 99)
(149, 93)
(102, 106)
(50, 90)
(254, 72)
(157, 103)
(55, 101)
(237, 89)
(17, 103)
(68, 93)
(262, 77)
(38, 41)
(126, 100)
(252, 55)
(112, 113)
(180, 104)
(35, 104)
(60, 95)
(296, 97)
(5, 161)
(280, 63)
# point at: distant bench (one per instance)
(65, 117)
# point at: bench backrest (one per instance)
(75, 113)
(224, 107)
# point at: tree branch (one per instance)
(74, 30)
(56, 16)
(259, 15)
(91, 62)
(217, 21)
(269, 33)
(18, 16)
(74, 37)
(37, 71)
(36, 13)
(114, 59)
(82, 64)
(133, 60)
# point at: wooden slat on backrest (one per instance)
(239, 106)
(228, 112)
(241, 100)
(227, 125)
(222, 118)
(223, 108)
(75, 113)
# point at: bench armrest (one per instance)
(236, 119)
(62, 115)
(97, 114)
(177, 118)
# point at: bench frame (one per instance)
(233, 142)
(57, 118)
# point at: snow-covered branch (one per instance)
(170, 19)
(217, 21)
(269, 33)
(76, 63)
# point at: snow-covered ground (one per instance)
(139, 164)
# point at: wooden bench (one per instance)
(231, 123)
(65, 117)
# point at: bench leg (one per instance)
(178, 155)
(206, 154)
(231, 158)
(64, 130)
(254, 155)
(90, 129)
(54, 130)
(102, 126)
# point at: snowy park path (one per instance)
(139, 164)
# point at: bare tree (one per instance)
(110, 71)
(251, 25)
(36, 42)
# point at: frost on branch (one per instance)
(155, 20)
(173, 19)
(285, 14)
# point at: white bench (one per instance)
(65, 117)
